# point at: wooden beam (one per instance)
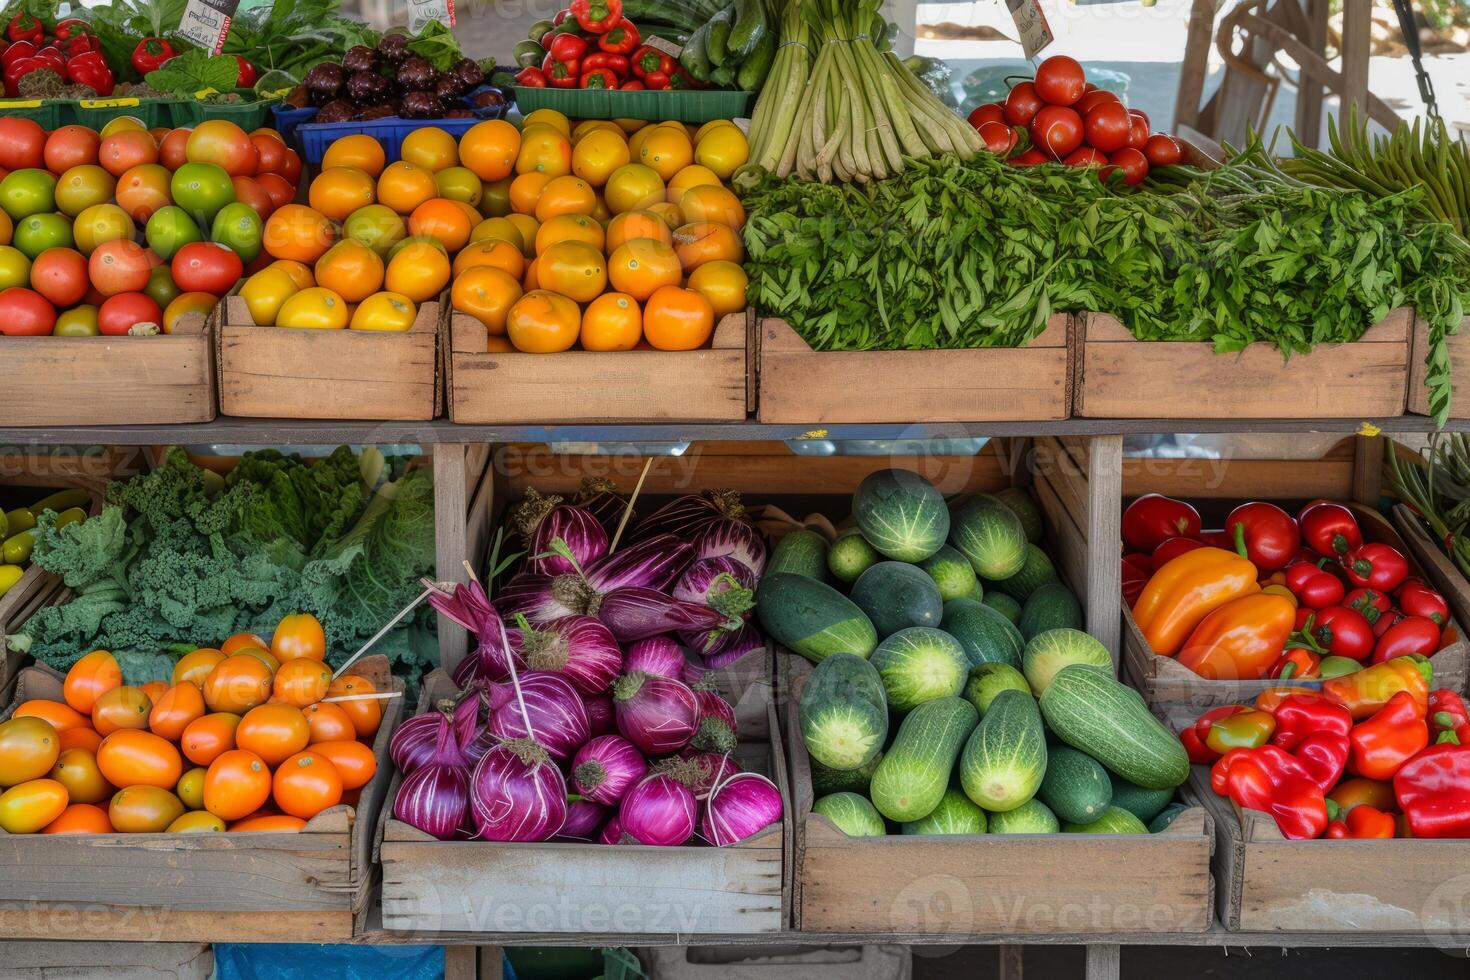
(1196, 63)
(451, 508)
(1357, 42)
(1310, 93)
(1368, 470)
(459, 963)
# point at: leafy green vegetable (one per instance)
(194, 72)
(436, 43)
(293, 35)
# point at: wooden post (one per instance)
(1368, 469)
(1012, 962)
(1357, 43)
(1104, 539)
(1104, 962)
(451, 507)
(1197, 42)
(459, 963)
(492, 963)
(1310, 93)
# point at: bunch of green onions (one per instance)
(1436, 486)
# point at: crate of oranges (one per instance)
(604, 281)
(233, 802)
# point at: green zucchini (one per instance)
(748, 30)
(1049, 607)
(683, 15)
(1091, 711)
(1114, 820)
(896, 595)
(919, 665)
(753, 70)
(695, 58)
(952, 574)
(717, 47)
(1167, 816)
(1046, 653)
(1005, 759)
(1031, 817)
(1145, 804)
(901, 514)
(914, 773)
(1076, 787)
(812, 618)
(850, 556)
(986, 635)
(852, 814)
(802, 552)
(955, 814)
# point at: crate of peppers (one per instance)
(1322, 598)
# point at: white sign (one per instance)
(1031, 23)
(666, 46)
(422, 13)
(207, 22)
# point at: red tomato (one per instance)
(999, 138)
(1163, 151)
(120, 266)
(1030, 158)
(25, 313)
(1106, 127)
(120, 313)
(1138, 129)
(1133, 164)
(173, 152)
(71, 146)
(1086, 157)
(60, 275)
(290, 167)
(206, 267)
(988, 112)
(247, 191)
(1060, 80)
(1057, 131)
(22, 143)
(272, 153)
(1022, 104)
(277, 187)
(1094, 98)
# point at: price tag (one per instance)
(21, 104)
(1031, 23)
(665, 45)
(422, 13)
(106, 103)
(207, 23)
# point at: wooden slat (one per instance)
(1368, 470)
(451, 512)
(1104, 962)
(1443, 574)
(1244, 479)
(115, 961)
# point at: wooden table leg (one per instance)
(1012, 963)
(1310, 93)
(459, 963)
(1196, 63)
(1104, 962)
(492, 963)
(1357, 43)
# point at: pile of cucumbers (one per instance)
(955, 691)
(731, 44)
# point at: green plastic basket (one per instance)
(47, 112)
(96, 113)
(247, 115)
(685, 106)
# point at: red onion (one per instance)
(470, 607)
(554, 707)
(716, 731)
(656, 655)
(583, 535)
(518, 794)
(584, 820)
(686, 516)
(600, 717)
(545, 598)
(658, 811)
(654, 563)
(604, 768)
(414, 742)
(732, 646)
(612, 831)
(600, 498)
(657, 714)
(709, 769)
(740, 807)
(636, 613)
(737, 539)
(433, 797)
(579, 648)
(709, 578)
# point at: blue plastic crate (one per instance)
(313, 138)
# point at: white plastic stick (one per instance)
(628, 510)
(383, 632)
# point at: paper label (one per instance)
(664, 45)
(422, 13)
(207, 23)
(1031, 24)
(106, 103)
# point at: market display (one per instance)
(954, 624)
(18, 530)
(1272, 595)
(254, 736)
(411, 77)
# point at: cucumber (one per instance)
(986, 635)
(812, 618)
(955, 814)
(919, 665)
(1031, 817)
(901, 514)
(1091, 711)
(988, 680)
(1026, 511)
(1161, 823)
(1114, 820)
(680, 15)
(695, 56)
(753, 70)
(1046, 653)
(1050, 607)
(850, 556)
(914, 773)
(896, 595)
(952, 574)
(1005, 759)
(843, 717)
(1076, 787)
(852, 814)
(748, 30)
(1145, 804)
(1003, 604)
(990, 535)
(826, 780)
(802, 552)
(62, 500)
(723, 76)
(1035, 572)
(717, 47)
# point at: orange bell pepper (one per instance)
(1364, 692)
(1241, 640)
(1359, 791)
(1186, 590)
(1270, 699)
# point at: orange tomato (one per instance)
(354, 761)
(490, 149)
(80, 738)
(197, 304)
(699, 242)
(60, 716)
(565, 195)
(671, 214)
(704, 203)
(207, 738)
(530, 281)
(301, 275)
(299, 635)
(328, 723)
(487, 294)
(143, 810)
(221, 142)
(237, 784)
(598, 153)
(196, 822)
(298, 233)
(29, 748)
(643, 265)
(419, 271)
(154, 689)
(142, 190)
(723, 284)
(678, 319)
(366, 713)
(636, 224)
(570, 228)
(80, 818)
(29, 806)
(241, 641)
(195, 665)
(543, 322)
(77, 770)
(358, 151)
(444, 220)
(385, 312)
(264, 656)
(573, 269)
(692, 176)
(526, 190)
(499, 345)
(306, 784)
(430, 147)
(544, 150)
(121, 707)
(493, 253)
(666, 151)
(268, 823)
(89, 678)
(529, 227)
(404, 186)
(134, 758)
(301, 682)
(273, 732)
(352, 270)
(237, 684)
(123, 151)
(339, 191)
(175, 709)
(611, 322)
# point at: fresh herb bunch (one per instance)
(1435, 484)
(195, 72)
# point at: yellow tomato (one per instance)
(723, 283)
(419, 272)
(570, 228)
(703, 131)
(712, 204)
(493, 252)
(548, 117)
(431, 148)
(528, 227)
(27, 807)
(495, 197)
(299, 272)
(667, 151)
(544, 150)
(196, 822)
(266, 292)
(632, 187)
(599, 153)
(377, 226)
(723, 150)
(637, 224)
(573, 269)
(487, 294)
(637, 136)
(459, 184)
(673, 217)
(501, 228)
(691, 176)
(542, 322)
(120, 123)
(317, 308)
(99, 224)
(526, 190)
(386, 312)
(588, 126)
(185, 304)
(191, 788)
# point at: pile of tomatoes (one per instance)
(1061, 117)
(244, 738)
(128, 230)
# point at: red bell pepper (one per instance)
(70, 27)
(1324, 756)
(1314, 588)
(24, 27)
(1301, 715)
(1411, 634)
(1433, 790)
(1447, 715)
(561, 16)
(1377, 566)
(1329, 529)
(1336, 631)
(1371, 603)
(16, 51)
(90, 69)
(615, 63)
(1194, 738)
(246, 76)
(1265, 534)
(597, 16)
(1153, 519)
(651, 61)
(623, 39)
(602, 78)
(78, 44)
(1136, 573)
(532, 77)
(1417, 599)
(561, 74)
(1297, 665)
(20, 68)
(1360, 823)
(1363, 792)
(1172, 548)
(1273, 781)
(567, 48)
(636, 85)
(51, 57)
(1391, 737)
(150, 54)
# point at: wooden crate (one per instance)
(707, 385)
(1118, 376)
(1018, 885)
(1459, 348)
(268, 372)
(799, 385)
(115, 961)
(434, 886)
(309, 887)
(157, 380)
